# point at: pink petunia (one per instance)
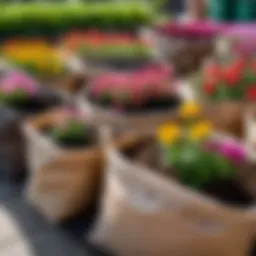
(16, 81)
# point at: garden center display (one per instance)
(183, 189)
(109, 50)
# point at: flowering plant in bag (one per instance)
(235, 81)
(34, 56)
(148, 86)
(99, 44)
(71, 129)
(189, 149)
(16, 88)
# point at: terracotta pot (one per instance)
(144, 213)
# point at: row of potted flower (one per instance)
(111, 50)
(67, 161)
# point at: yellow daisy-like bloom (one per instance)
(168, 133)
(201, 130)
(190, 110)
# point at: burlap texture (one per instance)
(143, 213)
(62, 182)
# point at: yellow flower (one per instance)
(201, 130)
(190, 110)
(168, 133)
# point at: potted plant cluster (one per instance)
(185, 185)
(227, 89)
(35, 56)
(109, 50)
(185, 45)
(133, 99)
(43, 61)
(20, 96)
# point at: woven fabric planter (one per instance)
(143, 213)
(129, 121)
(12, 156)
(185, 50)
(62, 182)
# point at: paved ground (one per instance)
(25, 233)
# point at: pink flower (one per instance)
(233, 151)
(19, 81)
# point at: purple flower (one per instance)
(233, 151)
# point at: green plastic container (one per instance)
(223, 10)
(245, 10)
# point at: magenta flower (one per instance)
(19, 81)
(233, 151)
(139, 86)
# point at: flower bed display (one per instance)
(185, 45)
(43, 61)
(187, 187)
(35, 56)
(20, 96)
(108, 49)
(133, 99)
(227, 89)
(53, 19)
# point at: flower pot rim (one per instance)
(34, 125)
(183, 92)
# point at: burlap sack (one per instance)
(137, 121)
(62, 182)
(143, 213)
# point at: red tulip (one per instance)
(232, 75)
(251, 93)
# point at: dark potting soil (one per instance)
(37, 104)
(152, 106)
(233, 192)
(120, 64)
(91, 140)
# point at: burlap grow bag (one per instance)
(144, 213)
(62, 182)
